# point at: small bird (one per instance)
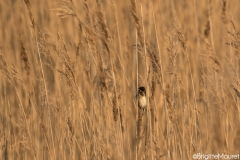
(142, 100)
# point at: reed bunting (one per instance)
(142, 100)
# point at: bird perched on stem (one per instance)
(141, 119)
(142, 100)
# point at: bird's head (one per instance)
(142, 91)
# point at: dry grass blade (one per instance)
(70, 71)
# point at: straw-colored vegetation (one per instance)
(70, 72)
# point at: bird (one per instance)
(142, 100)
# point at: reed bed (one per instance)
(70, 70)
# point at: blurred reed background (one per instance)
(70, 72)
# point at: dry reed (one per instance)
(70, 72)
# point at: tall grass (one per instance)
(70, 72)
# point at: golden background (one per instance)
(70, 72)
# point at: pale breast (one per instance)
(142, 102)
